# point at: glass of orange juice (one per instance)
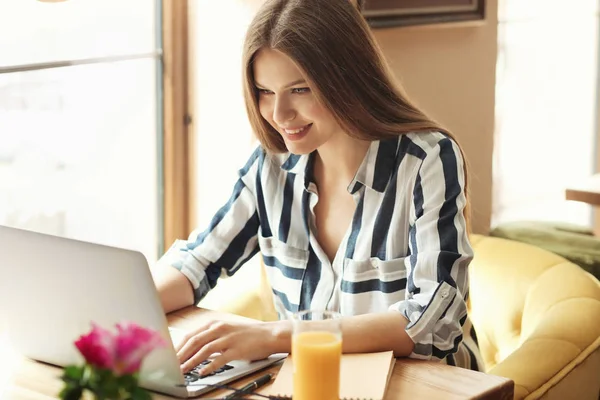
(316, 355)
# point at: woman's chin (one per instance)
(299, 149)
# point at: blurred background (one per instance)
(123, 122)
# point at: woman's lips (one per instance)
(294, 134)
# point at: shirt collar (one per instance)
(377, 167)
(374, 171)
(300, 164)
(295, 163)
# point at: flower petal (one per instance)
(97, 347)
(133, 343)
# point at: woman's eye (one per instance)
(264, 91)
(301, 90)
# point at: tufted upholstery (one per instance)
(537, 318)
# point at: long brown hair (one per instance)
(332, 44)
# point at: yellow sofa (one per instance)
(537, 318)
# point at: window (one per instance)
(80, 122)
(545, 109)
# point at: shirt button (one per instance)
(445, 294)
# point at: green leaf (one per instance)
(72, 373)
(140, 394)
(128, 382)
(70, 393)
(103, 383)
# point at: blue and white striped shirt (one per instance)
(406, 249)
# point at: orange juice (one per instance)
(316, 358)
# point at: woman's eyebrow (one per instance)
(296, 82)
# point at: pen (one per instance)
(263, 380)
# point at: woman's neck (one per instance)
(338, 160)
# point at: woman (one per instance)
(355, 199)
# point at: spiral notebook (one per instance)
(364, 376)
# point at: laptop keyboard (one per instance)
(194, 374)
(233, 370)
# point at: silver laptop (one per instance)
(52, 288)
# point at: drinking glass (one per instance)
(316, 355)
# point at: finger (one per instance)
(209, 332)
(220, 361)
(195, 344)
(216, 363)
(216, 346)
(203, 335)
(190, 334)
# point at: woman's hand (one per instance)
(233, 340)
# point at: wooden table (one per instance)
(23, 379)
(587, 191)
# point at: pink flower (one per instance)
(133, 343)
(97, 347)
(122, 352)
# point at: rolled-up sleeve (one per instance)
(228, 242)
(437, 266)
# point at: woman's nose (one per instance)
(283, 112)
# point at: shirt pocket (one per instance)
(285, 267)
(372, 285)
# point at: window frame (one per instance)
(178, 179)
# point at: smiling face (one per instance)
(287, 103)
